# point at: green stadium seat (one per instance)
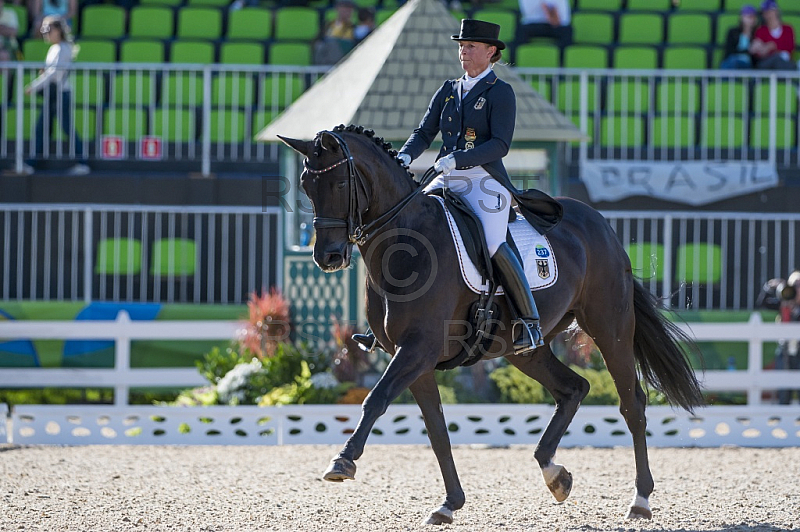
(699, 263)
(141, 51)
(662, 6)
(227, 125)
(118, 256)
(173, 3)
(199, 23)
(174, 124)
(673, 131)
(233, 89)
(133, 84)
(296, 23)
(192, 52)
(9, 123)
(181, 89)
(241, 53)
(641, 28)
(590, 132)
(785, 101)
(151, 22)
(685, 58)
(784, 132)
(599, 5)
(635, 57)
(280, 90)
(173, 257)
(622, 131)
(736, 5)
(88, 88)
(701, 5)
(506, 19)
(593, 28)
(250, 23)
(208, 3)
(35, 50)
(261, 119)
(725, 96)
(647, 260)
(630, 95)
(22, 18)
(127, 122)
(723, 132)
(85, 125)
(96, 51)
(689, 28)
(290, 54)
(569, 96)
(543, 87)
(682, 96)
(585, 56)
(103, 20)
(538, 55)
(725, 21)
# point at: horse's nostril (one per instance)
(333, 259)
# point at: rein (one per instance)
(358, 232)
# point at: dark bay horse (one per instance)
(417, 303)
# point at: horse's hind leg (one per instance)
(426, 393)
(568, 389)
(612, 331)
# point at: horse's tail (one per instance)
(662, 361)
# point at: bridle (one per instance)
(358, 232)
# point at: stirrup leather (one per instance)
(366, 342)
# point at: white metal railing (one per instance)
(199, 114)
(135, 253)
(753, 380)
(122, 331)
(677, 114)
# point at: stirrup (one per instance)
(366, 342)
(529, 338)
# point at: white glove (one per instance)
(406, 158)
(445, 165)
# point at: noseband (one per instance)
(358, 232)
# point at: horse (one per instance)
(417, 302)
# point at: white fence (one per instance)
(126, 253)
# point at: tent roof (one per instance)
(387, 81)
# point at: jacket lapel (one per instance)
(482, 86)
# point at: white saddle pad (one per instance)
(537, 255)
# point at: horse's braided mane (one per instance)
(379, 141)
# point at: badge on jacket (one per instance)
(470, 137)
(479, 103)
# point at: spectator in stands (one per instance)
(66, 9)
(774, 41)
(737, 45)
(366, 23)
(9, 25)
(54, 82)
(784, 296)
(338, 38)
(545, 18)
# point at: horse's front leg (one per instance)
(406, 366)
(426, 393)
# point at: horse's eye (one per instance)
(341, 184)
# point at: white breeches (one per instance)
(489, 200)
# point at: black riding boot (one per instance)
(366, 342)
(512, 276)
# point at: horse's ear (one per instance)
(329, 142)
(300, 146)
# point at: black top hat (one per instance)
(480, 31)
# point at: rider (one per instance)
(476, 114)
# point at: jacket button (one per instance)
(449, 134)
(449, 118)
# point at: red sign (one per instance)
(150, 148)
(113, 147)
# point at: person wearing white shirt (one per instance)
(546, 18)
(54, 83)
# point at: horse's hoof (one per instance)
(340, 469)
(640, 509)
(558, 480)
(442, 516)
